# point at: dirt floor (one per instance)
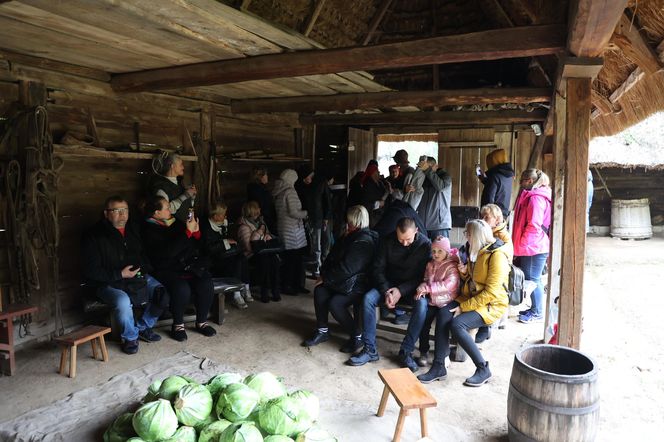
(623, 308)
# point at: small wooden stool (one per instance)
(70, 341)
(409, 394)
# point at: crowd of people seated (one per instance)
(394, 250)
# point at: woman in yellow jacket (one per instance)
(483, 298)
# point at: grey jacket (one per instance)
(434, 208)
(290, 215)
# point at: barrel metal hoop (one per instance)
(553, 409)
(515, 435)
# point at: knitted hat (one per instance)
(441, 243)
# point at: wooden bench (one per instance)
(7, 333)
(70, 341)
(409, 393)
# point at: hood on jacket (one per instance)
(280, 186)
(365, 233)
(504, 169)
(496, 157)
(543, 191)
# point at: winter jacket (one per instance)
(489, 276)
(498, 181)
(532, 219)
(371, 192)
(401, 266)
(290, 215)
(416, 179)
(396, 210)
(212, 241)
(178, 200)
(441, 281)
(171, 248)
(347, 268)
(258, 192)
(247, 232)
(106, 252)
(319, 202)
(500, 232)
(434, 209)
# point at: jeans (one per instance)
(327, 301)
(459, 328)
(433, 234)
(417, 318)
(532, 267)
(124, 313)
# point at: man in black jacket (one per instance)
(398, 270)
(115, 266)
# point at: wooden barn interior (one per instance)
(90, 88)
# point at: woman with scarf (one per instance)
(172, 248)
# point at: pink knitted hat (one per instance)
(441, 243)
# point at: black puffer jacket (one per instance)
(169, 249)
(347, 268)
(498, 187)
(400, 266)
(396, 210)
(106, 252)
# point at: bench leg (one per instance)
(383, 402)
(402, 417)
(63, 359)
(104, 352)
(423, 422)
(72, 362)
(93, 343)
(221, 308)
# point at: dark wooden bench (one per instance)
(7, 333)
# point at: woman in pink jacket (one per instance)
(530, 235)
(441, 287)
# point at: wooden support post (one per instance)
(314, 16)
(574, 217)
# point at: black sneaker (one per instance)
(148, 335)
(401, 319)
(406, 360)
(205, 329)
(318, 338)
(363, 357)
(178, 333)
(438, 372)
(130, 347)
(352, 346)
(481, 376)
(483, 334)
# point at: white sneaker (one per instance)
(247, 294)
(238, 301)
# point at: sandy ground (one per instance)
(623, 305)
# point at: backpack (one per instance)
(516, 283)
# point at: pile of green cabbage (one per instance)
(227, 408)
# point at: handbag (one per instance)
(136, 288)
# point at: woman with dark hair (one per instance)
(254, 237)
(167, 182)
(257, 191)
(172, 247)
(373, 193)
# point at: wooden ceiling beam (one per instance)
(374, 100)
(376, 21)
(427, 118)
(635, 47)
(591, 25)
(314, 16)
(485, 45)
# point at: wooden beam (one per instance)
(581, 67)
(52, 65)
(375, 100)
(603, 104)
(635, 47)
(376, 21)
(245, 5)
(574, 218)
(485, 45)
(427, 118)
(314, 16)
(591, 25)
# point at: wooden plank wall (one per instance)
(364, 149)
(86, 182)
(625, 183)
(461, 162)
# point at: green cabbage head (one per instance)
(279, 416)
(212, 432)
(121, 429)
(221, 381)
(183, 434)
(170, 387)
(241, 432)
(266, 384)
(236, 402)
(155, 420)
(193, 404)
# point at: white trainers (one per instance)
(247, 294)
(238, 301)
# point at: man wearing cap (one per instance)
(401, 158)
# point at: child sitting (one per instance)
(441, 286)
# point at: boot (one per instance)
(318, 338)
(438, 372)
(481, 376)
(406, 360)
(483, 334)
(423, 359)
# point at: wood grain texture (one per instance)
(634, 46)
(432, 118)
(591, 25)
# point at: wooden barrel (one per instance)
(553, 396)
(631, 219)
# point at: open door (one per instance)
(361, 149)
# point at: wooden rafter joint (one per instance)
(634, 45)
(581, 67)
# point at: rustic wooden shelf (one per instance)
(265, 160)
(93, 152)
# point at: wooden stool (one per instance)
(94, 334)
(7, 333)
(409, 394)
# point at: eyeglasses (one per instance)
(119, 210)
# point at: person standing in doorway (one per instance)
(497, 181)
(434, 208)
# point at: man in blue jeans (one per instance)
(398, 269)
(115, 266)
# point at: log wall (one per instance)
(162, 119)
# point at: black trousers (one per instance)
(235, 266)
(292, 269)
(183, 291)
(266, 268)
(327, 301)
